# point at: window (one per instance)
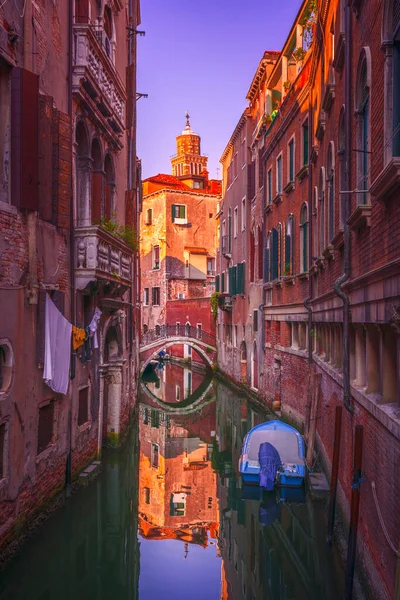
(155, 456)
(269, 187)
(331, 192)
(288, 268)
(177, 392)
(267, 258)
(232, 281)
(363, 128)
(149, 216)
(305, 143)
(181, 295)
(341, 149)
(243, 215)
(274, 254)
(179, 214)
(255, 321)
(146, 296)
(291, 160)
(198, 331)
(304, 238)
(155, 296)
(145, 328)
(321, 210)
(177, 325)
(155, 419)
(2, 451)
(198, 185)
(235, 222)
(147, 493)
(235, 165)
(279, 174)
(83, 409)
(156, 257)
(211, 266)
(45, 429)
(6, 365)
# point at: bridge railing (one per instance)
(183, 331)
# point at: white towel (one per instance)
(57, 352)
(93, 325)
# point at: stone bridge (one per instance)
(165, 336)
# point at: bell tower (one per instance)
(188, 164)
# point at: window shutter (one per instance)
(287, 253)
(217, 283)
(223, 282)
(240, 281)
(266, 265)
(24, 139)
(274, 261)
(255, 320)
(40, 330)
(234, 275)
(232, 281)
(173, 213)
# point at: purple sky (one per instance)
(200, 56)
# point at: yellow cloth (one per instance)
(78, 337)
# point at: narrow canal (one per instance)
(168, 517)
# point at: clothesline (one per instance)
(59, 333)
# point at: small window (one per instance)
(243, 152)
(235, 222)
(149, 216)
(146, 296)
(177, 327)
(291, 160)
(177, 392)
(211, 266)
(255, 321)
(179, 214)
(2, 451)
(145, 328)
(83, 412)
(269, 186)
(155, 420)
(243, 214)
(156, 257)
(45, 429)
(181, 295)
(146, 491)
(155, 293)
(155, 456)
(145, 415)
(198, 331)
(305, 143)
(279, 174)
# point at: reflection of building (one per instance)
(178, 235)
(175, 383)
(177, 484)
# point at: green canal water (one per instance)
(169, 518)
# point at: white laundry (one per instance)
(93, 325)
(57, 352)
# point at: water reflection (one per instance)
(174, 503)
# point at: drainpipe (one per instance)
(346, 274)
(306, 301)
(68, 473)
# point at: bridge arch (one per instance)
(162, 343)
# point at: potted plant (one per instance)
(287, 270)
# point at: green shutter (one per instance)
(173, 213)
(266, 265)
(217, 283)
(230, 275)
(223, 282)
(240, 279)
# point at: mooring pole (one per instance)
(335, 471)
(354, 512)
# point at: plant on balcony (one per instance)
(286, 86)
(267, 119)
(287, 269)
(124, 232)
(299, 54)
(308, 23)
(214, 300)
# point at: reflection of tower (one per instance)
(186, 550)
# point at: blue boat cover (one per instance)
(270, 461)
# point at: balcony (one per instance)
(96, 84)
(101, 256)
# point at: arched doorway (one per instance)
(254, 367)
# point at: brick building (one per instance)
(327, 208)
(178, 237)
(69, 178)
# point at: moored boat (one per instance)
(287, 441)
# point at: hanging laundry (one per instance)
(57, 352)
(93, 325)
(78, 337)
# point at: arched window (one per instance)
(321, 211)
(341, 149)
(289, 245)
(109, 187)
(83, 175)
(363, 108)
(391, 48)
(330, 175)
(304, 238)
(97, 183)
(108, 30)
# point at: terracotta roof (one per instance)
(174, 182)
(195, 250)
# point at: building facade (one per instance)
(68, 223)
(327, 209)
(179, 238)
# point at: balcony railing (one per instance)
(100, 255)
(180, 331)
(95, 79)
